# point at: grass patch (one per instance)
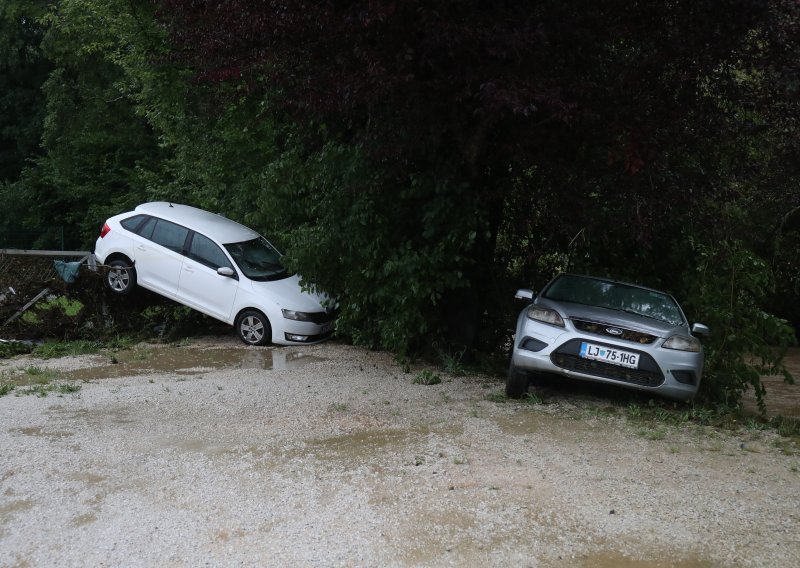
(427, 377)
(55, 349)
(497, 397)
(11, 348)
(42, 390)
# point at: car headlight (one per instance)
(294, 315)
(683, 343)
(545, 315)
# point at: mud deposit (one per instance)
(213, 454)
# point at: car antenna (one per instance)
(170, 203)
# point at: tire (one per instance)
(516, 382)
(253, 328)
(121, 277)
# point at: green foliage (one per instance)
(427, 377)
(724, 290)
(11, 348)
(425, 176)
(55, 349)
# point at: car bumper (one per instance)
(540, 348)
(303, 333)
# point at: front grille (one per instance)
(321, 317)
(648, 374)
(602, 329)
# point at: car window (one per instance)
(205, 251)
(170, 235)
(132, 223)
(146, 230)
(258, 259)
(615, 296)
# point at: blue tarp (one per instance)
(67, 270)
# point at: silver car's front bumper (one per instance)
(544, 348)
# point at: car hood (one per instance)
(613, 317)
(288, 294)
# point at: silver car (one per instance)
(597, 329)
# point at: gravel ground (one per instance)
(330, 456)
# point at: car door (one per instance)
(159, 255)
(201, 286)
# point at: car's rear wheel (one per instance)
(253, 328)
(516, 382)
(121, 277)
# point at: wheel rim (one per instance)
(118, 279)
(252, 329)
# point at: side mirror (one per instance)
(525, 294)
(226, 271)
(700, 329)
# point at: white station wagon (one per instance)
(215, 266)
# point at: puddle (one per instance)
(192, 361)
(15, 507)
(40, 433)
(781, 398)
(614, 560)
(367, 443)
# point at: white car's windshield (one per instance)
(615, 296)
(258, 259)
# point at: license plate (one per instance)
(609, 355)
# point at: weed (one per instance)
(55, 349)
(121, 343)
(634, 410)
(404, 363)
(38, 375)
(339, 406)
(653, 433)
(533, 398)
(459, 460)
(427, 377)
(497, 397)
(42, 390)
(11, 348)
(794, 468)
(451, 362)
(6, 388)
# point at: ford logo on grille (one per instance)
(613, 331)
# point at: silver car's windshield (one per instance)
(258, 259)
(615, 296)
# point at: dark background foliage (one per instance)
(420, 160)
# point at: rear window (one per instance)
(132, 223)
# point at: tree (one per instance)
(474, 121)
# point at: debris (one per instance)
(36, 298)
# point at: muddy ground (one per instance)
(212, 453)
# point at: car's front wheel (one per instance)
(516, 382)
(121, 277)
(253, 328)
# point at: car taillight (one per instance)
(105, 230)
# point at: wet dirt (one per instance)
(190, 362)
(355, 459)
(612, 560)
